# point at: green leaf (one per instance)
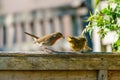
(106, 21)
(109, 7)
(116, 45)
(90, 33)
(118, 42)
(118, 15)
(91, 17)
(97, 2)
(104, 11)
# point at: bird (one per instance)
(78, 43)
(47, 40)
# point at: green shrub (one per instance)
(106, 20)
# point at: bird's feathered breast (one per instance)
(77, 43)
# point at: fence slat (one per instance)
(47, 26)
(18, 33)
(79, 24)
(109, 48)
(56, 23)
(1, 36)
(27, 28)
(102, 75)
(9, 36)
(67, 25)
(37, 28)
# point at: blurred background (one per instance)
(42, 17)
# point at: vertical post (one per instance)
(109, 48)
(27, 28)
(56, 23)
(47, 26)
(103, 75)
(9, 35)
(9, 31)
(67, 24)
(18, 33)
(79, 24)
(46, 22)
(1, 36)
(96, 41)
(37, 28)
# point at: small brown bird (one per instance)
(78, 43)
(47, 40)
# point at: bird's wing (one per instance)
(43, 39)
(36, 37)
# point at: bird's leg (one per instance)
(85, 51)
(46, 49)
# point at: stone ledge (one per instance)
(64, 61)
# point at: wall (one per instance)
(66, 66)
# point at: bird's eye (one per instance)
(60, 34)
(72, 38)
(83, 39)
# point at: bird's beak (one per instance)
(69, 38)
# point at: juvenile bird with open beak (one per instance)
(78, 43)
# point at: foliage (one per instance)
(106, 20)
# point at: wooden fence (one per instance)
(65, 66)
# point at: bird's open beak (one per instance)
(69, 38)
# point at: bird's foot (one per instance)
(86, 51)
(47, 50)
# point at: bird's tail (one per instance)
(36, 37)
